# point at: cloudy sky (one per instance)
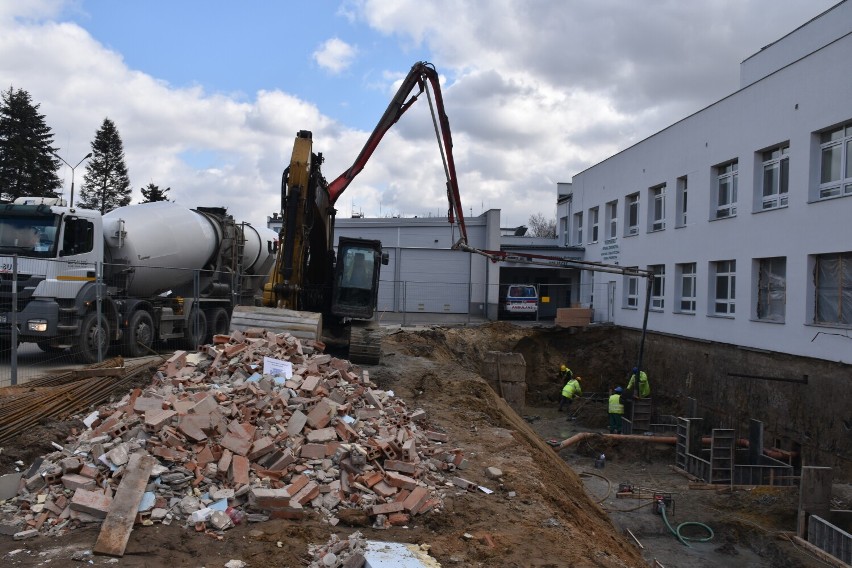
(208, 94)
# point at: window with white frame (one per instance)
(724, 289)
(680, 202)
(835, 175)
(593, 225)
(563, 227)
(726, 190)
(771, 288)
(686, 293)
(612, 219)
(631, 214)
(578, 229)
(833, 289)
(776, 176)
(631, 291)
(658, 286)
(658, 207)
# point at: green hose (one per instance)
(680, 537)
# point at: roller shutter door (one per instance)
(435, 281)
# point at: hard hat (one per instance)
(563, 368)
(617, 389)
(579, 378)
(635, 369)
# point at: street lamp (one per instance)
(86, 157)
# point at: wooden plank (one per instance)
(304, 325)
(115, 531)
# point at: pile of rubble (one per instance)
(257, 425)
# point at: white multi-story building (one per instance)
(743, 210)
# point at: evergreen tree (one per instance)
(153, 193)
(106, 184)
(27, 164)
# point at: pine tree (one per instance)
(153, 193)
(106, 184)
(27, 164)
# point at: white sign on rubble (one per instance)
(277, 367)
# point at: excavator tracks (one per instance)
(365, 343)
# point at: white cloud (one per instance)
(535, 90)
(335, 55)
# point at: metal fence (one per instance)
(830, 538)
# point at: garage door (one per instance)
(435, 281)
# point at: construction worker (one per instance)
(616, 411)
(565, 374)
(569, 392)
(644, 385)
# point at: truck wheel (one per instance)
(139, 335)
(219, 322)
(195, 334)
(94, 332)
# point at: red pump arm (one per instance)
(420, 73)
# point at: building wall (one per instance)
(425, 274)
(790, 106)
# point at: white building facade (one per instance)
(743, 210)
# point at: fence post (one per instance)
(99, 281)
(404, 301)
(469, 298)
(13, 341)
(196, 292)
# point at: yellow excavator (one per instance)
(313, 291)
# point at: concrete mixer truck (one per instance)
(139, 274)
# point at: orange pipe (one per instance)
(626, 437)
(774, 453)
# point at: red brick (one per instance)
(320, 415)
(75, 481)
(415, 501)
(94, 503)
(296, 484)
(263, 498)
(240, 470)
(398, 519)
(386, 508)
(398, 480)
(436, 436)
(225, 461)
(89, 471)
(191, 426)
(383, 489)
(404, 467)
(306, 494)
(237, 444)
(261, 447)
(322, 435)
(312, 451)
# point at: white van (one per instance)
(519, 300)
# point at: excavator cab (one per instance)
(356, 278)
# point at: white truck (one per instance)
(139, 274)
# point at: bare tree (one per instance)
(541, 226)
